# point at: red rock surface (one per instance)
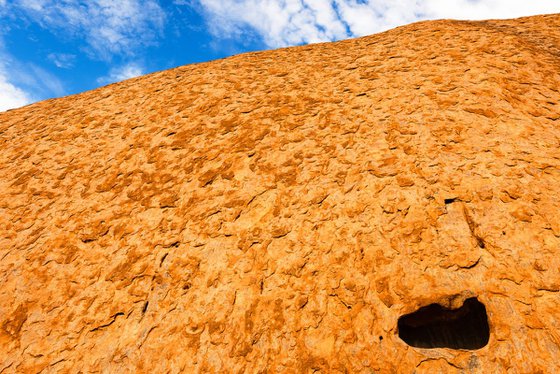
(279, 211)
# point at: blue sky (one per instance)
(53, 48)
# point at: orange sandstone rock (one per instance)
(281, 211)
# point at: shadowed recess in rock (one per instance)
(434, 326)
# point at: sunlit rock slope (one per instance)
(280, 211)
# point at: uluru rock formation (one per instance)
(384, 204)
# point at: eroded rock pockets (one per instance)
(435, 326)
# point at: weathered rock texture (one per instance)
(279, 211)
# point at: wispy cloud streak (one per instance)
(109, 27)
(121, 73)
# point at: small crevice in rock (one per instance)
(471, 265)
(480, 242)
(163, 259)
(113, 319)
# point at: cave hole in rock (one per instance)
(435, 326)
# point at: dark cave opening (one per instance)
(435, 326)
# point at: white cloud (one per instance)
(290, 22)
(280, 23)
(121, 73)
(22, 83)
(62, 60)
(489, 9)
(109, 27)
(11, 96)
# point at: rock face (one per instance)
(281, 211)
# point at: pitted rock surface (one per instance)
(279, 211)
